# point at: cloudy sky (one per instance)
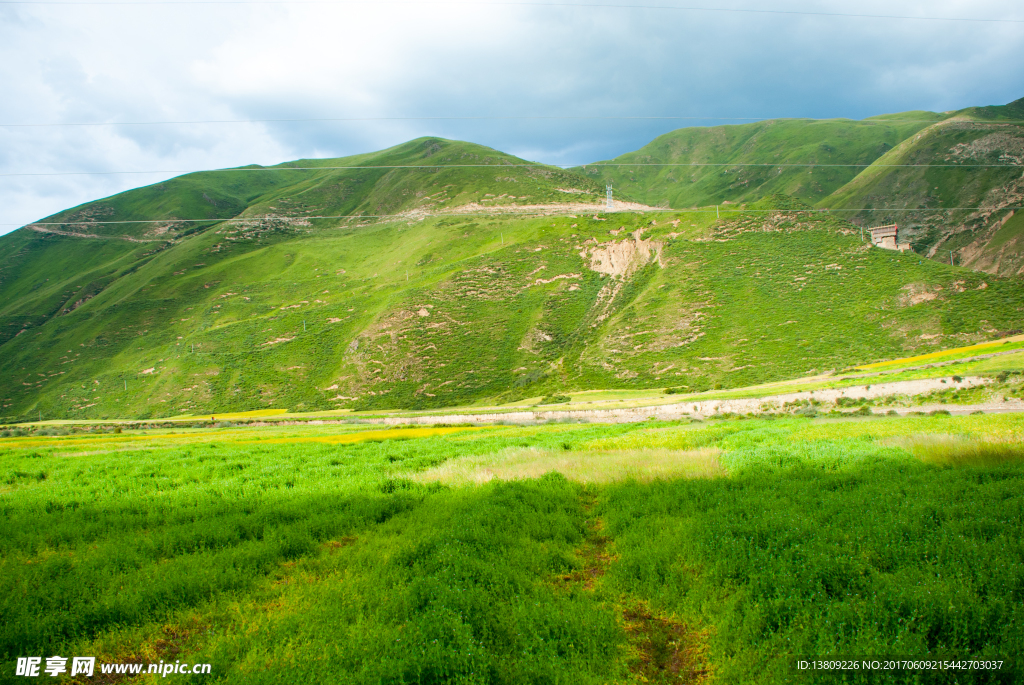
(397, 69)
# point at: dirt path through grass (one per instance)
(662, 649)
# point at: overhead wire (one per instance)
(805, 120)
(506, 118)
(597, 208)
(517, 3)
(564, 167)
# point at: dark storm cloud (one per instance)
(434, 60)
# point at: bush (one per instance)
(556, 399)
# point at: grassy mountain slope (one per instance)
(44, 276)
(989, 238)
(51, 268)
(777, 141)
(452, 310)
(315, 187)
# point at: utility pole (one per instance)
(716, 212)
(608, 195)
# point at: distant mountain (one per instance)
(935, 174)
(700, 166)
(426, 174)
(742, 163)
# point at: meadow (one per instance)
(717, 551)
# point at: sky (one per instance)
(550, 82)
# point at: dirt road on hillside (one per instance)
(700, 409)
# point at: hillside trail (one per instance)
(94, 236)
(662, 649)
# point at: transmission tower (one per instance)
(611, 203)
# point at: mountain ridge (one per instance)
(408, 300)
(383, 182)
(944, 205)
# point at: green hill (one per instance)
(705, 166)
(423, 174)
(405, 282)
(43, 276)
(940, 182)
(731, 164)
(450, 310)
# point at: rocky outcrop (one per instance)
(623, 258)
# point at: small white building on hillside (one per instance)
(887, 237)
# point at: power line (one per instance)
(582, 5)
(439, 167)
(355, 119)
(806, 120)
(596, 208)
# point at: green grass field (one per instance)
(563, 553)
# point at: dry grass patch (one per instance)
(599, 466)
(960, 450)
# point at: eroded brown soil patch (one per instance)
(665, 650)
(595, 551)
(173, 640)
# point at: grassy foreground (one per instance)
(562, 553)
